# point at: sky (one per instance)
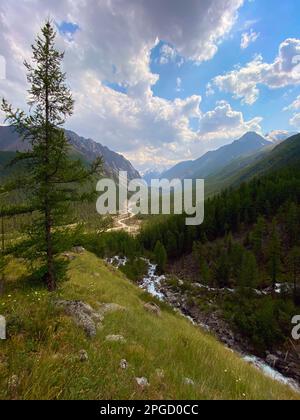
(164, 81)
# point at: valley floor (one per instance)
(48, 356)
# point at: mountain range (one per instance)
(86, 149)
(213, 161)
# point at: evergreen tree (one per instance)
(161, 257)
(257, 236)
(222, 270)
(53, 178)
(294, 267)
(274, 255)
(292, 224)
(249, 271)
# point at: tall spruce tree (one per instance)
(294, 267)
(53, 179)
(274, 255)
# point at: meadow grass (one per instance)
(43, 346)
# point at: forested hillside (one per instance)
(249, 243)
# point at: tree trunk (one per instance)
(50, 276)
(2, 280)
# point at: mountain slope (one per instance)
(86, 148)
(44, 346)
(271, 159)
(213, 161)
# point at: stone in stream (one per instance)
(272, 360)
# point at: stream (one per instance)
(152, 282)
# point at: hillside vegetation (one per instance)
(40, 359)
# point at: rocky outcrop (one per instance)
(85, 317)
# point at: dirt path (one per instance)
(127, 223)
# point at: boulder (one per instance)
(153, 308)
(272, 360)
(2, 328)
(115, 339)
(83, 315)
(188, 381)
(83, 356)
(142, 382)
(78, 250)
(124, 364)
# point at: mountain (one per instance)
(87, 149)
(287, 153)
(212, 161)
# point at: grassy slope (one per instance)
(43, 346)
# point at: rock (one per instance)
(188, 381)
(272, 360)
(83, 356)
(13, 383)
(116, 339)
(160, 373)
(96, 275)
(153, 308)
(105, 308)
(69, 257)
(142, 382)
(83, 315)
(78, 250)
(2, 328)
(124, 364)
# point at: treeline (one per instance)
(233, 211)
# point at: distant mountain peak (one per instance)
(213, 161)
(87, 148)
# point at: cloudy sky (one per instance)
(165, 80)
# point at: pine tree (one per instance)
(257, 236)
(160, 255)
(274, 255)
(292, 224)
(294, 267)
(53, 178)
(249, 271)
(222, 270)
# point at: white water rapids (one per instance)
(151, 283)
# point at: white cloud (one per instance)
(294, 106)
(114, 44)
(295, 121)
(167, 54)
(244, 82)
(224, 121)
(248, 38)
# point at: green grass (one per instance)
(43, 345)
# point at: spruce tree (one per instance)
(160, 255)
(53, 179)
(294, 267)
(249, 271)
(274, 254)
